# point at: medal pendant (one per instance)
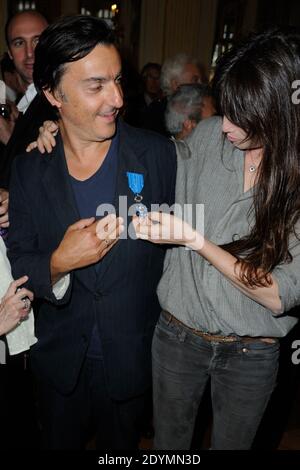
(141, 209)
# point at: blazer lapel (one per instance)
(60, 193)
(128, 160)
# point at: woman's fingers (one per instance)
(46, 138)
(24, 293)
(45, 141)
(19, 297)
(51, 126)
(31, 146)
(14, 286)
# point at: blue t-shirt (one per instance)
(100, 188)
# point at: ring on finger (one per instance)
(27, 303)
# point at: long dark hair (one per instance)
(253, 84)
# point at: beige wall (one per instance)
(171, 26)
(152, 31)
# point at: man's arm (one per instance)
(23, 247)
(83, 244)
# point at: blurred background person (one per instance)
(186, 107)
(179, 70)
(11, 79)
(137, 109)
(22, 32)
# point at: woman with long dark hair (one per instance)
(226, 300)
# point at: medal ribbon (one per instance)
(135, 182)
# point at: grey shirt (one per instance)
(211, 172)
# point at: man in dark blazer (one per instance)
(97, 284)
(22, 32)
(25, 131)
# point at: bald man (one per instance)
(22, 32)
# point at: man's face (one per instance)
(236, 135)
(152, 83)
(92, 94)
(191, 74)
(23, 35)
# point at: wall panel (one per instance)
(171, 26)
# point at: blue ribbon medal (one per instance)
(136, 184)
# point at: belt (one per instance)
(217, 338)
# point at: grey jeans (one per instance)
(243, 377)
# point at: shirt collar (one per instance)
(28, 97)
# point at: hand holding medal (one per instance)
(163, 228)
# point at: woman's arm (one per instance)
(226, 264)
(165, 228)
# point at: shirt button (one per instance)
(245, 350)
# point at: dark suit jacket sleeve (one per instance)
(26, 131)
(23, 251)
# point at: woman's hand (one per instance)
(14, 307)
(159, 227)
(46, 138)
(4, 197)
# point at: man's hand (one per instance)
(4, 208)
(86, 242)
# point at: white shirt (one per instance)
(28, 97)
(22, 336)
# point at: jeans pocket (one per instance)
(258, 349)
(163, 328)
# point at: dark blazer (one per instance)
(25, 131)
(122, 297)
